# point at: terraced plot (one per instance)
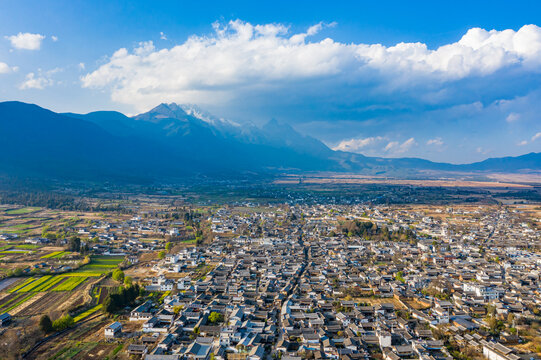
(19, 302)
(87, 313)
(54, 255)
(98, 266)
(71, 283)
(50, 301)
(10, 300)
(22, 285)
(34, 284)
(45, 286)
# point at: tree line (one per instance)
(371, 231)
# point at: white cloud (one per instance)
(4, 68)
(356, 145)
(395, 147)
(483, 151)
(242, 58)
(26, 41)
(33, 82)
(39, 81)
(436, 141)
(512, 117)
(163, 36)
(81, 66)
(533, 139)
(54, 38)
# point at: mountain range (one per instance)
(182, 140)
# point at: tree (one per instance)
(168, 247)
(510, 319)
(45, 324)
(161, 255)
(62, 323)
(15, 272)
(216, 317)
(125, 296)
(128, 281)
(74, 243)
(494, 325)
(118, 275)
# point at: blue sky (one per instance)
(424, 79)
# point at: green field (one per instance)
(10, 302)
(34, 284)
(25, 246)
(45, 286)
(22, 211)
(49, 283)
(54, 255)
(71, 283)
(16, 229)
(14, 252)
(20, 302)
(87, 313)
(98, 266)
(20, 286)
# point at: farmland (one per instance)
(98, 266)
(54, 255)
(45, 273)
(70, 283)
(22, 211)
(87, 313)
(48, 282)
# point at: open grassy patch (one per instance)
(22, 211)
(98, 266)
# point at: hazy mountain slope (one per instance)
(40, 141)
(173, 140)
(226, 145)
(531, 161)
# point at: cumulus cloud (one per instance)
(356, 145)
(39, 81)
(394, 147)
(533, 139)
(512, 117)
(482, 150)
(163, 36)
(4, 68)
(241, 58)
(34, 82)
(26, 41)
(436, 142)
(54, 38)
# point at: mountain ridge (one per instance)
(174, 140)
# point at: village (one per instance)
(314, 281)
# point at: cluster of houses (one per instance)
(294, 291)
